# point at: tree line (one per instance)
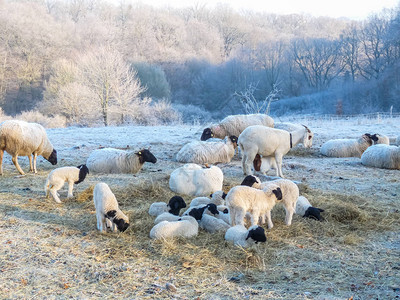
(95, 61)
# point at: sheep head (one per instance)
(175, 204)
(83, 171)
(207, 134)
(313, 213)
(146, 156)
(257, 234)
(53, 157)
(250, 180)
(234, 140)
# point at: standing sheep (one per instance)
(193, 180)
(235, 124)
(200, 152)
(240, 236)
(110, 160)
(382, 156)
(57, 178)
(347, 147)
(107, 208)
(20, 138)
(270, 142)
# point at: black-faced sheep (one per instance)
(110, 160)
(348, 147)
(235, 124)
(175, 204)
(200, 152)
(270, 142)
(57, 178)
(193, 180)
(240, 236)
(306, 210)
(107, 208)
(20, 138)
(382, 156)
(186, 226)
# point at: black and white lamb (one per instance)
(207, 222)
(175, 204)
(209, 208)
(382, 156)
(57, 178)
(240, 236)
(348, 147)
(20, 138)
(193, 180)
(200, 152)
(107, 208)
(235, 124)
(306, 210)
(110, 160)
(185, 226)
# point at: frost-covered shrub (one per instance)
(34, 116)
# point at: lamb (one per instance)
(235, 124)
(200, 152)
(240, 236)
(290, 194)
(270, 142)
(107, 209)
(306, 210)
(347, 147)
(210, 209)
(110, 160)
(193, 180)
(20, 138)
(218, 198)
(175, 204)
(382, 156)
(186, 226)
(242, 199)
(209, 223)
(56, 179)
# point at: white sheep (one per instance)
(306, 210)
(107, 208)
(235, 124)
(382, 156)
(240, 236)
(166, 216)
(173, 207)
(20, 138)
(347, 147)
(290, 194)
(110, 160)
(193, 180)
(270, 142)
(186, 226)
(242, 199)
(57, 178)
(218, 198)
(200, 152)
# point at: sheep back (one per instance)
(382, 156)
(346, 147)
(110, 160)
(184, 227)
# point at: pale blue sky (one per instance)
(353, 9)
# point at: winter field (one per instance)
(54, 251)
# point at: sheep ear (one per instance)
(111, 213)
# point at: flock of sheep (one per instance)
(262, 144)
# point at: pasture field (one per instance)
(53, 251)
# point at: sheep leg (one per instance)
(15, 162)
(30, 164)
(101, 220)
(34, 162)
(289, 215)
(239, 216)
(247, 162)
(1, 161)
(269, 221)
(53, 191)
(232, 216)
(70, 188)
(278, 159)
(255, 216)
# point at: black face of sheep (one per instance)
(225, 211)
(146, 156)
(278, 193)
(121, 224)
(212, 208)
(373, 137)
(249, 180)
(223, 195)
(257, 234)
(234, 140)
(175, 204)
(83, 171)
(196, 213)
(314, 213)
(53, 157)
(207, 134)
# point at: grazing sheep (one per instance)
(56, 179)
(200, 152)
(240, 236)
(304, 209)
(20, 138)
(107, 208)
(218, 198)
(173, 207)
(242, 199)
(193, 180)
(382, 156)
(186, 226)
(270, 142)
(235, 124)
(290, 194)
(110, 160)
(347, 147)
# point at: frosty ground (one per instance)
(51, 251)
